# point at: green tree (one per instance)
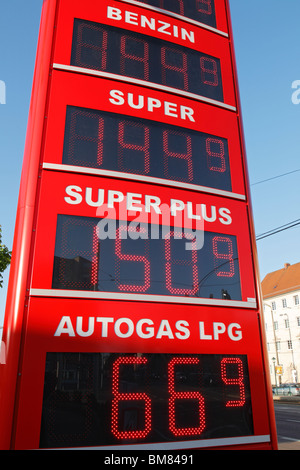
(5, 257)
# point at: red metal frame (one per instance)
(53, 202)
(45, 315)
(32, 319)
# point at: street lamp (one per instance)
(294, 372)
(273, 360)
(275, 343)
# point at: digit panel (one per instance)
(88, 131)
(88, 212)
(114, 142)
(154, 49)
(172, 397)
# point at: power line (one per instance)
(275, 177)
(278, 229)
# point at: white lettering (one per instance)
(114, 13)
(130, 327)
(149, 329)
(186, 112)
(163, 27)
(131, 18)
(143, 21)
(202, 332)
(114, 196)
(171, 109)
(148, 22)
(153, 103)
(219, 329)
(152, 201)
(116, 97)
(164, 330)
(234, 332)
(132, 199)
(141, 102)
(176, 205)
(144, 328)
(73, 191)
(90, 330)
(65, 327)
(104, 321)
(187, 35)
(88, 197)
(183, 331)
(225, 218)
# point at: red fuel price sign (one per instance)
(133, 314)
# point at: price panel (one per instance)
(146, 148)
(133, 314)
(138, 45)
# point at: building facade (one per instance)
(281, 299)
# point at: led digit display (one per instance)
(116, 256)
(114, 50)
(125, 144)
(98, 399)
(199, 10)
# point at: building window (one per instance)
(290, 344)
(286, 323)
(273, 304)
(275, 325)
(284, 303)
(278, 347)
(296, 299)
(298, 321)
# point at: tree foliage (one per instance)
(5, 257)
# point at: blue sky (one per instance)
(266, 37)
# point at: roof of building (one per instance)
(283, 281)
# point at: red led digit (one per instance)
(187, 156)
(204, 6)
(142, 149)
(134, 258)
(128, 397)
(209, 71)
(91, 47)
(187, 431)
(95, 258)
(227, 258)
(183, 69)
(214, 157)
(238, 381)
(171, 260)
(77, 137)
(143, 59)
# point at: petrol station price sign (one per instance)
(133, 313)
